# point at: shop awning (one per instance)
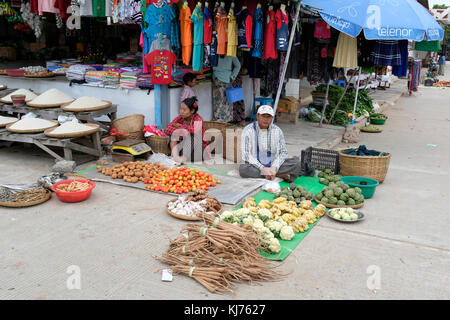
(380, 20)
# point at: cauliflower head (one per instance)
(274, 245)
(287, 233)
(242, 212)
(264, 214)
(227, 216)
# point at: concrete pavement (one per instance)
(401, 251)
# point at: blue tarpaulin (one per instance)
(380, 19)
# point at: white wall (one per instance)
(131, 101)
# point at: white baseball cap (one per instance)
(266, 109)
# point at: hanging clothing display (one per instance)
(297, 37)
(85, 8)
(386, 53)
(207, 27)
(161, 63)
(322, 30)
(282, 20)
(430, 46)
(214, 57)
(142, 44)
(245, 29)
(346, 52)
(269, 77)
(232, 35)
(270, 32)
(222, 31)
(197, 57)
(98, 8)
(258, 33)
(159, 19)
(47, 6)
(186, 34)
(402, 69)
(175, 31)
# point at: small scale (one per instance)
(129, 150)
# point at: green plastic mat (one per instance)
(312, 185)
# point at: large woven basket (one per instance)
(364, 166)
(132, 125)
(159, 144)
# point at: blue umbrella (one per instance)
(380, 19)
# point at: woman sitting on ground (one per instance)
(187, 133)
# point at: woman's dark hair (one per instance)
(188, 77)
(191, 103)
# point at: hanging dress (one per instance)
(232, 35)
(222, 31)
(270, 31)
(245, 29)
(258, 43)
(346, 52)
(207, 39)
(197, 57)
(186, 34)
(282, 30)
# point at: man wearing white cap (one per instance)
(264, 150)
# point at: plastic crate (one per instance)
(321, 159)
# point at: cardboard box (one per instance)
(288, 105)
(8, 53)
(36, 46)
(287, 117)
(232, 148)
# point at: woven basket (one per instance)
(159, 144)
(362, 166)
(132, 125)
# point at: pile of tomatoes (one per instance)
(180, 180)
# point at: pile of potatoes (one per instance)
(132, 171)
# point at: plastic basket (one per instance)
(15, 72)
(321, 159)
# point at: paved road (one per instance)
(402, 250)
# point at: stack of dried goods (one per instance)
(219, 254)
(22, 195)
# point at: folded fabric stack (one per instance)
(112, 77)
(78, 71)
(144, 81)
(201, 77)
(95, 77)
(129, 79)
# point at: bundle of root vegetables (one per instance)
(219, 254)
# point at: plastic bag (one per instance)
(314, 115)
(163, 159)
(272, 187)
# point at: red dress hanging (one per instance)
(270, 51)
